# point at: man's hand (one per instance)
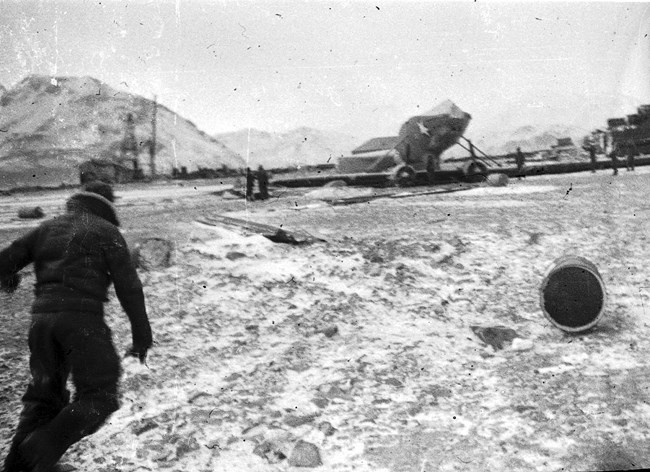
(139, 352)
(11, 283)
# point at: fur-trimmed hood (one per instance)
(93, 203)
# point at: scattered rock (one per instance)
(144, 426)
(267, 451)
(232, 377)
(305, 454)
(186, 446)
(276, 447)
(152, 253)
(436, 391)
(415, 409)
(333, 391)
(326, 428)
(376, 258)
(31, 213)
(393, 382)
(329, 331)
(320, 402)
(294, 420)
(381, 401)
(495, 336)
(234, 255)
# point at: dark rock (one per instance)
(329, 331)
(326, 428)
(294, 421)
(144, 426)
(305, 454)
(31, 213)
(269, 451)
(380, 401)
(234, 255)
(334, 391)
(232, 377)
(320, 402)
(394, 382)
(186, 446)
(495, 336)
(152, 253)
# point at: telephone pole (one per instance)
(152, 144)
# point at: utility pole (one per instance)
(152, 144)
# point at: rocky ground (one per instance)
(356, 353)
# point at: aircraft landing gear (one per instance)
(404, 176)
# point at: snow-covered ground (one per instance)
(362, 345)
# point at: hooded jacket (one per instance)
(76, 256)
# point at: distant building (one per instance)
(564, 148)
(631, 134)
(106, 171)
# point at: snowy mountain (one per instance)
(298, 147)
(51, 124)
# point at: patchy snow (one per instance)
(369, 333)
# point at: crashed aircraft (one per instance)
(418, 147)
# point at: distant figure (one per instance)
(263, 183)
(250, 183)
(520, 160)
(614, 158)
(592, 157)
(630, 160)
(431, 168)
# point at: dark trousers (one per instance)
(62, 344)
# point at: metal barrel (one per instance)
(573, 294)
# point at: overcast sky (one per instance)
(357, 67)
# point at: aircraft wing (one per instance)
(385, 143)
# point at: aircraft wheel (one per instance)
(404, 176)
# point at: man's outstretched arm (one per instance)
(13, 258)
(129, 292)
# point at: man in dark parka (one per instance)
(250, 184)
(76, 256)
(519, 161)
(613, 155)
(629, 163)
(263, 182)
(592, 157)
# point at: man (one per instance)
(519, 160)
(76, 256)
(614, 157)
(592, 157)
(250, 184)
(630, 159)
(263, 182)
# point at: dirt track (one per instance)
(240, 361)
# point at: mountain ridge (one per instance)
(297, 147)
(52, 124)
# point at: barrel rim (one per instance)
(561, 263)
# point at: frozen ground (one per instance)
(246, 351)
